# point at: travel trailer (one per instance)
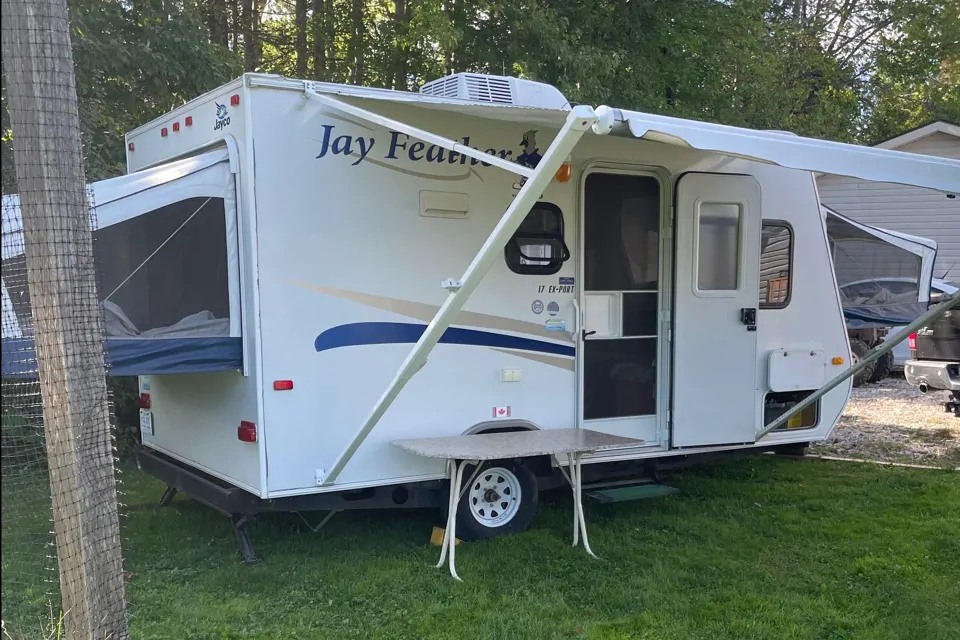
(303, 273)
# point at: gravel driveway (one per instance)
(894, 422)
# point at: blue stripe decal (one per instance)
(364, 333)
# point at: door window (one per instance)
(718, 246)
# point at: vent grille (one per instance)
(483, 89)
(444, 87)
(476, 88)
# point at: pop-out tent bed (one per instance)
(153, 230)
(883, 276)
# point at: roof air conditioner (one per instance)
(476, 87)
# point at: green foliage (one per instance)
(136, 61)
(856, 70)
(124, 393)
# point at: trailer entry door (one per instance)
(620, 337)
(715, 350)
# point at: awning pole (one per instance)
(580, 119)
(884, 347)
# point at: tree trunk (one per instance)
(258, 6)
(300, 22)
(224, 22)
(448, 57)
(68, 330)
(320, 39)
(458, 20)
(252, 45)
(401, 18)
(357, 42)
(217, 22)
(235, 31)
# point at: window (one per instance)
(537, 248)
(621, 233)
(165, 273)
(718, 246)
(776, 264)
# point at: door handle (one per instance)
(576, 319)
(748, 316)
(587, 333)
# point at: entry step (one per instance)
(625, 493)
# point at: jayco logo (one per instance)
(223, 117)
(400, 146)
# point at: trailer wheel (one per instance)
(859, 349)
(500, 500)
(884, 366)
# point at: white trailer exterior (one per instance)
(630, 302)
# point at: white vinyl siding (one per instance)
(921, 212)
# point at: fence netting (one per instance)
(62, 572)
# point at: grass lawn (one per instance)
(755, 548)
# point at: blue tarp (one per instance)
(133, 357)
(892, 315)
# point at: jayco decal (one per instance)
(223, 117)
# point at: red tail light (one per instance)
(282, 385)
(912, 341)
(247, 432)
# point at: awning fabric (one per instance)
(796, 152)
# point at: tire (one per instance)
(859, 349)
(882, 367)
(501, 500)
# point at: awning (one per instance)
(795, 152)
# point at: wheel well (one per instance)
(542, 465)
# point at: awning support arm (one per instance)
(580, 119)
(418, 133)
(884, 347)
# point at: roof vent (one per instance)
(503, 90)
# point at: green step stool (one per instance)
(632, 492)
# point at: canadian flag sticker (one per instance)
(501, 412)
